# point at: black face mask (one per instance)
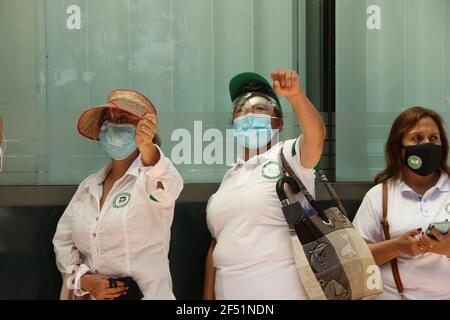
(423, 159)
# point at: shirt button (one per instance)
(96, 219)
(94, 235)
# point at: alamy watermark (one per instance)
(74, 18)
(212, 146)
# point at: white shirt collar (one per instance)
(271, 154)
(443, 184)
(98, 178)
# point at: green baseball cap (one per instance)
(242, 79)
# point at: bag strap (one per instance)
(323, 179)
(385, 225)
(285, 167)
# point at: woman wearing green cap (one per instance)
(250, 256)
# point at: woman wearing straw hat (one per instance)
(118, 222)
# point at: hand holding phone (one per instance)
(133, 292)
(441, 227)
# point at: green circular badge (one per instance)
(415, 162)
(121, 200)
(271, 171)
(447, 208)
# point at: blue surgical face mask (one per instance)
(117, 140)
(253, 131)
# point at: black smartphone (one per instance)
(133, 293)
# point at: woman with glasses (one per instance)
(250, 256)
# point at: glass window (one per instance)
(62, 56)
(390, 55)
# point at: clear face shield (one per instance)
(256, 103)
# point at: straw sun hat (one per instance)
(129, 101)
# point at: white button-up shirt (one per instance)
(426, 276)
(130, 235)
(253, 255)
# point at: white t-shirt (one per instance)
(253, 255)
(130, 235)
(426, 276)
